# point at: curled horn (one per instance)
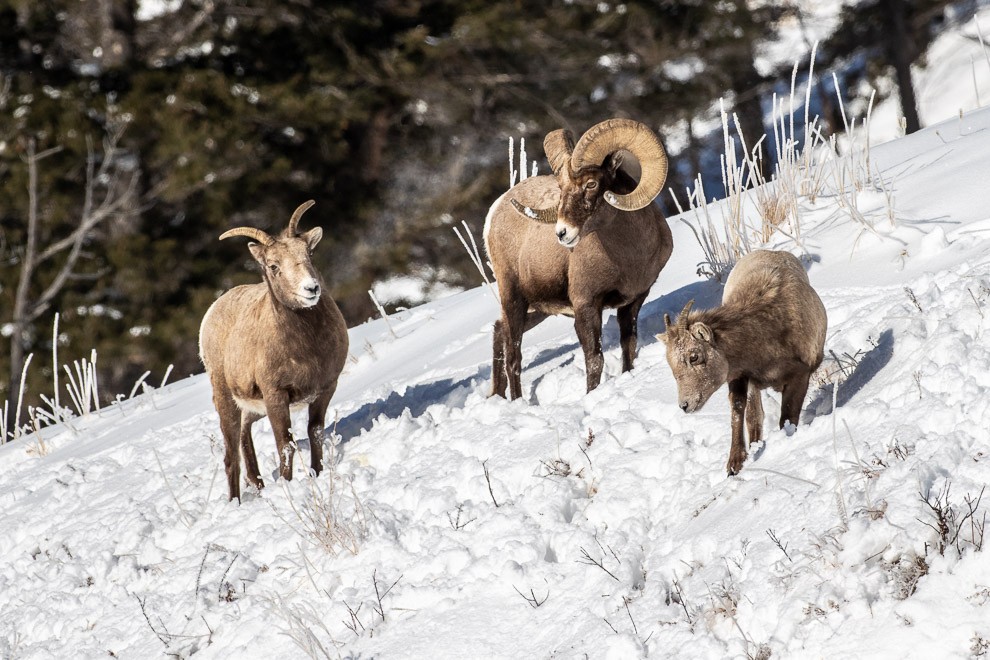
(546, 216)
(614, 135)
(682, 319)
(558, 146)
(298, 213)
(250, 232)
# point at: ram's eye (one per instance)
(694, 358)
(591, 185)
(274, 268)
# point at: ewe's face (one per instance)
(580, 196)
(288, 269)
(698, 366)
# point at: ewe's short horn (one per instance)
(614, 135)
(546, 216)
(298, 213)
(682, 320)
(250, 232)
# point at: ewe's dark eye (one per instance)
(274, 268)
(694, 358)
(591, 185)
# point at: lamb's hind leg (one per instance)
(792, 398)
(754, 413)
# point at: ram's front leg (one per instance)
(588, 326)
(277, 407)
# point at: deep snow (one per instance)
(614, 514)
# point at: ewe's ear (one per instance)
(258, 252)
(662, 337)
(312, 237)
(702, 332)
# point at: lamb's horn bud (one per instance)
(682, 320)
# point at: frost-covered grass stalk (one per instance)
(381, 310)
(319, 517)
(474, 254)
(20, 398)
(805, 166)
(82, 385)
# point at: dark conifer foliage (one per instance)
(394, 115)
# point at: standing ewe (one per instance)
(769, 332)
(271, 346)
(576, 242)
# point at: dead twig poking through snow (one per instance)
(913, 298)
(488, 478)
(678, 597)
(381, 594)
(456, 523)
(532, 598)
(777, 542)
(948, 524)
(586, 558)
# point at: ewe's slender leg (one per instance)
(315, 429)
(754, 413)
(277, 406)
(513, 326)
(251, 469)
(588, 325)
(737, 403)
(499, 379)
(230, 416)
(628, 318)
(792, 399)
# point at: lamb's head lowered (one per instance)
(588, 173)
(699, 367)
(286, 260)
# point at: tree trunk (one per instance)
(898, 47)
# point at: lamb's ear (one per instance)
(702, 332)
(662, 337)
(258, 252)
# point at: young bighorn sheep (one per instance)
(272, 346)
(576, 242)
(769, 332)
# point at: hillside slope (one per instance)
(605, 525)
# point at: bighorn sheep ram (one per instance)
(272, 346)
(769, 332)
(576, 242)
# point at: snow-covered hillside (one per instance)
(563, 524)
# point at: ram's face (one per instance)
(581, 194)
(698, 366)
(288, 268)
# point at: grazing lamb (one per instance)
(576, 242)
(273, 346)
(769, 332)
